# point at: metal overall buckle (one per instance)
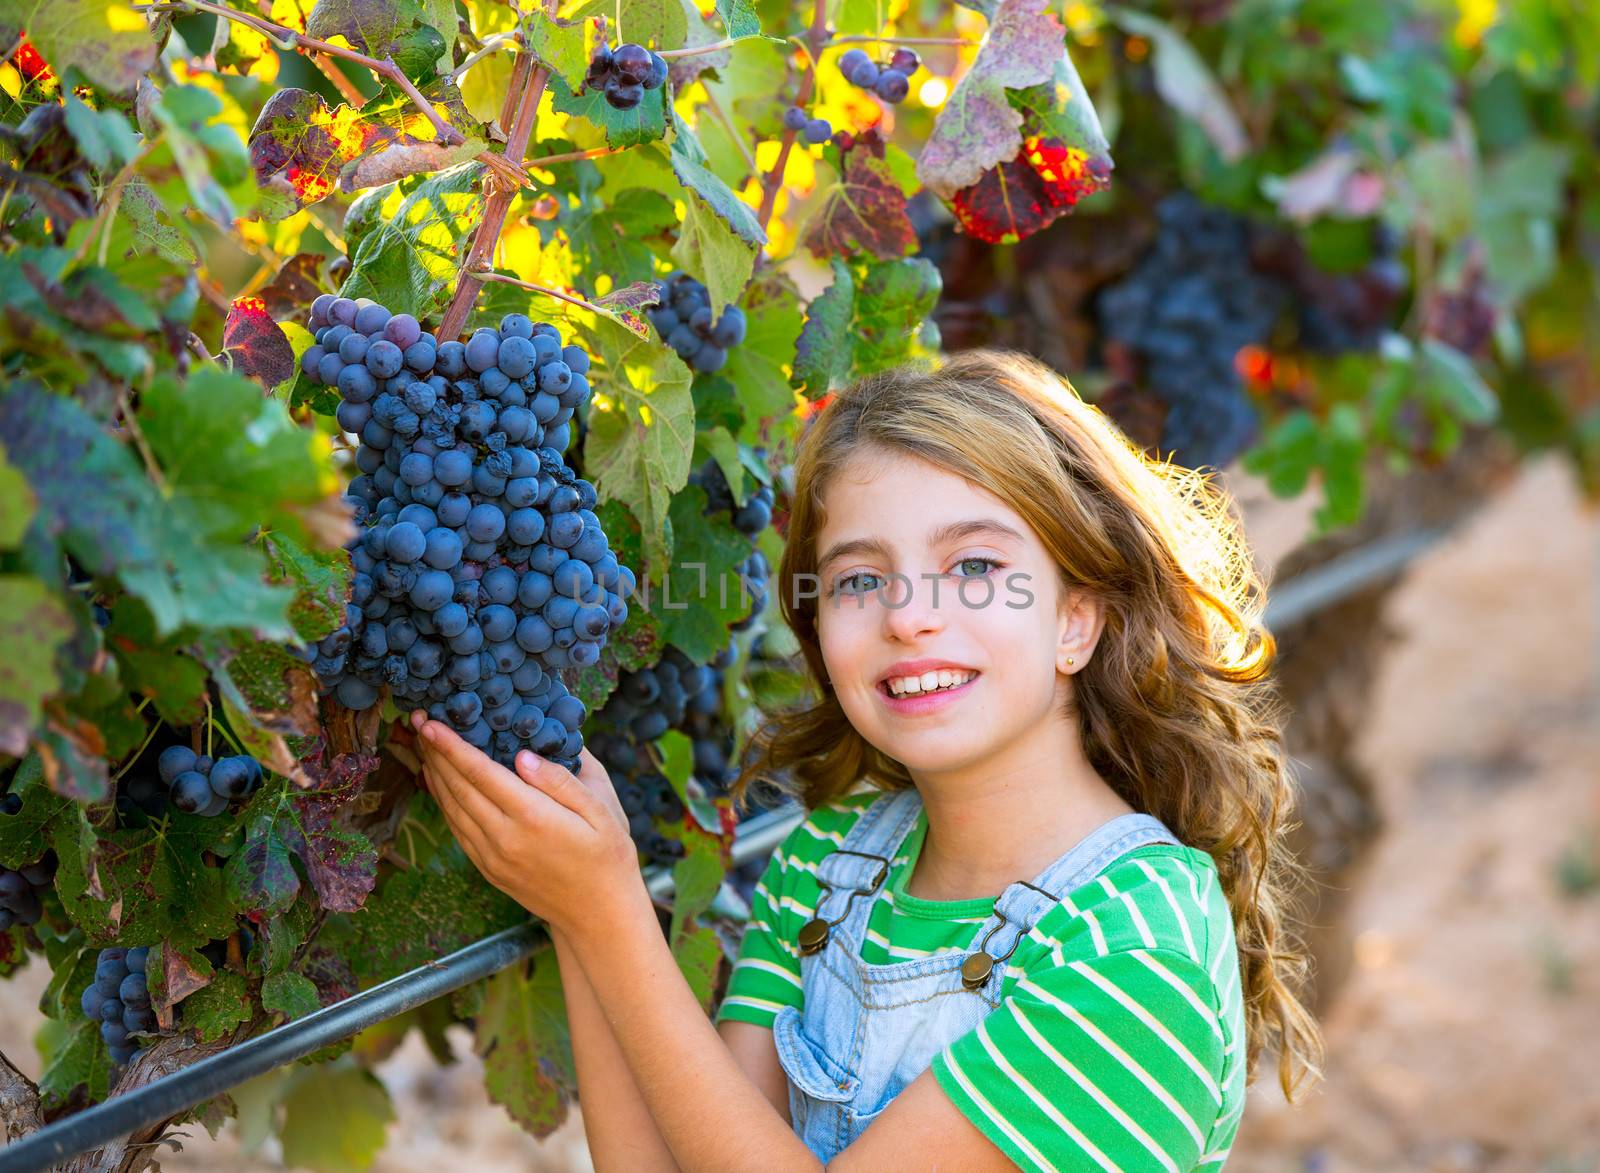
(814, 933)
(975, 970)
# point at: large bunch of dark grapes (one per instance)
(21, 890)
(481, 569)
(685, 322)
(119, 1000)
(668, 694)
(890, 80)
(1185, 311)
(1338, 312)
(623, 74)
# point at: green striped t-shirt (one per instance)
(1120, 1040)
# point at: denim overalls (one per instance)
(869, 1030)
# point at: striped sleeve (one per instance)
(766, 977)
(1112, 1062)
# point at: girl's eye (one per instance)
(843, 585)
(989, 564)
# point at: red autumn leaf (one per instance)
(32, 66)
(1016, 199)
(256, 343)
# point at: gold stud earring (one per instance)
(1070, 660)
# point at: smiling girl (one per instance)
(1035, 915)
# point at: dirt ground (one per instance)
(1467, 1036)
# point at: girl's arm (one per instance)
(622, 1134)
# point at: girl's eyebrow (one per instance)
(938, 536)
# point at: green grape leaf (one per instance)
(644, 22)
(105, 39)
(416, 36)
(291, 994)
(620, 237)
(739, 18)
(208, 154)
(709, 249)
(759, 366)
(425, 911)
(825, 354)
(139, 886)
(689, 165)
(162, 668)
(321, 580)
(558, 44)
(18, 503)
(645, 123)
(24, 835)
(37, 623)
(641, 429)
(103, 136)
(77, 1058)
(523, 1037)
(892, 300)
(699, 954)
(703, 592)
(335, 1118)
(411, 255)
(223, 1005)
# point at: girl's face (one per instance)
(915, 565)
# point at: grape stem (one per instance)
(573, 156)
(696, 50)
(721, 116)
(287, 38)
(493, 45)
(859, 40)
(815, 38)
(487, 274)
(498, 205)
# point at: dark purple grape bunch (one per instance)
(193, 783)
(684, 320)
(814, 130)
(119, 1000)
(481, 569)
(625, 73)
(22, 890)
(890, 81)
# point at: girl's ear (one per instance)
(1082, 620)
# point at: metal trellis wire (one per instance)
(754, 838)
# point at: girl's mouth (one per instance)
(916, 703)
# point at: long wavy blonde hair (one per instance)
(1176, 708)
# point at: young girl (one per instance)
(1048, 931)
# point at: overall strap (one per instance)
(1021, 905)
(854, 871)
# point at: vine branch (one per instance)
(815, 38)
(288, 38)
(19, 1102)
(498, 204)
(573, 156)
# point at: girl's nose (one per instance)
(909, 609)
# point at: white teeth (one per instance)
(928, 682)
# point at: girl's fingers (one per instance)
(475, 769)
(559, 784)
(460, 797)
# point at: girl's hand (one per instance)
(555, 842)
